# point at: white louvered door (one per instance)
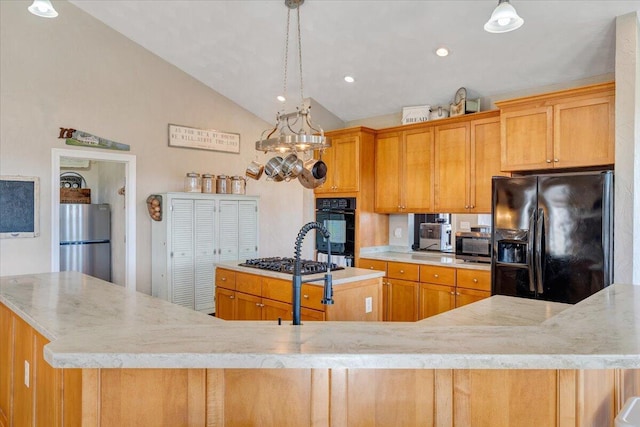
(182, 256)
(247, 229)
(228, 226)
(204, 245)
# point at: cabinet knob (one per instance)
(231, 297)
(458, 293)
(473, 206)
(475, 280)
(371, 268)
(466, 206)
(305, 296)
(436, 276)
(452, 293)
(548, 160)
(556, 160)
(223, 278)
(401, 271)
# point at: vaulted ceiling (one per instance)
(237, 48)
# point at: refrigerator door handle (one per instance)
(530, 261)
(538, 249)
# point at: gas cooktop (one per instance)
(285, 265)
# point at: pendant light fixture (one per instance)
(503, 19)
(293, 132)
(43, 8)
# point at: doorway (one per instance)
(129, 163)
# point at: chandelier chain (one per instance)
(300, 58)
(286, 64)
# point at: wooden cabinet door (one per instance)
(485, 162)
(388, 174)
(452, 154)
(584, 132)
(309, 314)
(6, 363)
(248, 307)
(225, 304)
(403, 300)
(527, 139)
(435, 299)
(23, 368)
(417, 183)
(272, 310)
(346, 162)
(467, 296)
(48, 387)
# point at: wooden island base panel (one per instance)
(78, 351)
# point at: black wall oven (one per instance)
(338, 215)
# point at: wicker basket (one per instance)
(75, 195)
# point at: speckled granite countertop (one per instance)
(429, 258)
(94, 324)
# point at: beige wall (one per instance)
(74, 71)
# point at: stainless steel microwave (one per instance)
(473, 246)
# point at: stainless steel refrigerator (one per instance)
(85, 235)
(552, 235)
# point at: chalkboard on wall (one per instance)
(19, 206)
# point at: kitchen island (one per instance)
(247, 293)
(99, 355)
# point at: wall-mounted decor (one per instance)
(19, 206)
(85, 139)
(203, 139)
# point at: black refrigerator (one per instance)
(552, 235)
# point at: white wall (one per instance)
(73, 71)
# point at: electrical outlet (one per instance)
(368, 304)
(465, 226)
(26, 373)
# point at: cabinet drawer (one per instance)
(248, 283)
(474, 279)
(399, 270)
(373, 264)
(277, 289)
(225, 278)
(439, 275)
(311, 297)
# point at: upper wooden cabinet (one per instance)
(564, 129)
(467, 155)
(349, 160)
(404, 171)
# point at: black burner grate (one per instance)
(285, 265)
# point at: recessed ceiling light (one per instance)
(349, 79)
(442, 51)
(281, 98)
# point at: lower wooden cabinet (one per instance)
(242, 296)
(416, 291)
(435, 299)
(403, 300)
(32, 392)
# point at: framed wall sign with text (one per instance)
(203, 139)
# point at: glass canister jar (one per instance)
(192, 183)
(207, 183)
(223, 184)
(238, 184)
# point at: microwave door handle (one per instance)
(539, 233)
(530, 261)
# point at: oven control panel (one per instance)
(344, 203)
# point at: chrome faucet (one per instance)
(297, 268)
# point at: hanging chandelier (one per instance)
(294, 132)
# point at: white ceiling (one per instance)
(237, 48)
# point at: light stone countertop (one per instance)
(427, 258)
(339, 277)
(94, 324)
